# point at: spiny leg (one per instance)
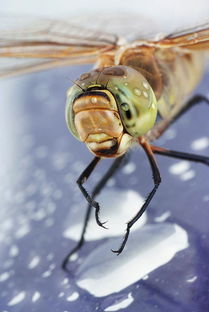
(82, 179)
(180, 155)
(116, 164)
(157, 180)
(111, 171)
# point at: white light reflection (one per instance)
(117, 207)
(152, 246)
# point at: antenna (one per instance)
(76, 84)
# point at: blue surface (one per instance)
(40, 163)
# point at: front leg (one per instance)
(99, 186)
(82, 179)
(157, 179)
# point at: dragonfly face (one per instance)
(110, 107)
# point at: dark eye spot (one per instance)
(126, 109)
(128, 114)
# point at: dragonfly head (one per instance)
(108, 108)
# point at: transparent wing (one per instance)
(30, 44)
(196, 38)
(143, 30)
(11, 67)
(136, 28)
(41, 44)
(126, 25)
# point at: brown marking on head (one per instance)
(114, 71)
(84, 76)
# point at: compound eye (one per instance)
(135, 98)
(126, 109)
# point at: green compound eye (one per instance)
(127, 113)
(72, 93)
(135, 99)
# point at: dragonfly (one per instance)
(135, 91)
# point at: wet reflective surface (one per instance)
(42, 210)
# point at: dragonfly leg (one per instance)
(82, 179)
(116, 164)
(180, 155)
(196, 99)
(157, 180)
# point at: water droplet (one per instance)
(137, 91)
(17, 299)
(188, 175)
(152, 105)
(65, 281)
(126, 83)
(34, 262)
(145, 94)
(13, 251)
(125, 106)
(46, 273)
(180, 167)
(4, 276)
(61, 294)
(74, 257)
(200, 143)
(145, 85)
(129, 168)
(36, 296)
(74, 296)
